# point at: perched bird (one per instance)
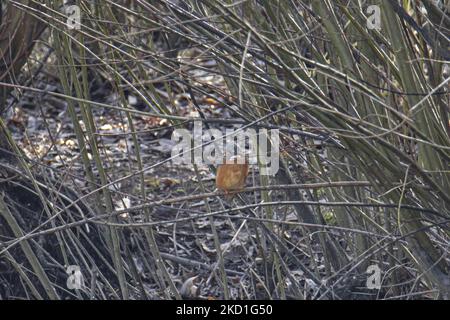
(231, 175)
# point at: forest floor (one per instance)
(42, 126)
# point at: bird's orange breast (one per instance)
(231, 176)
